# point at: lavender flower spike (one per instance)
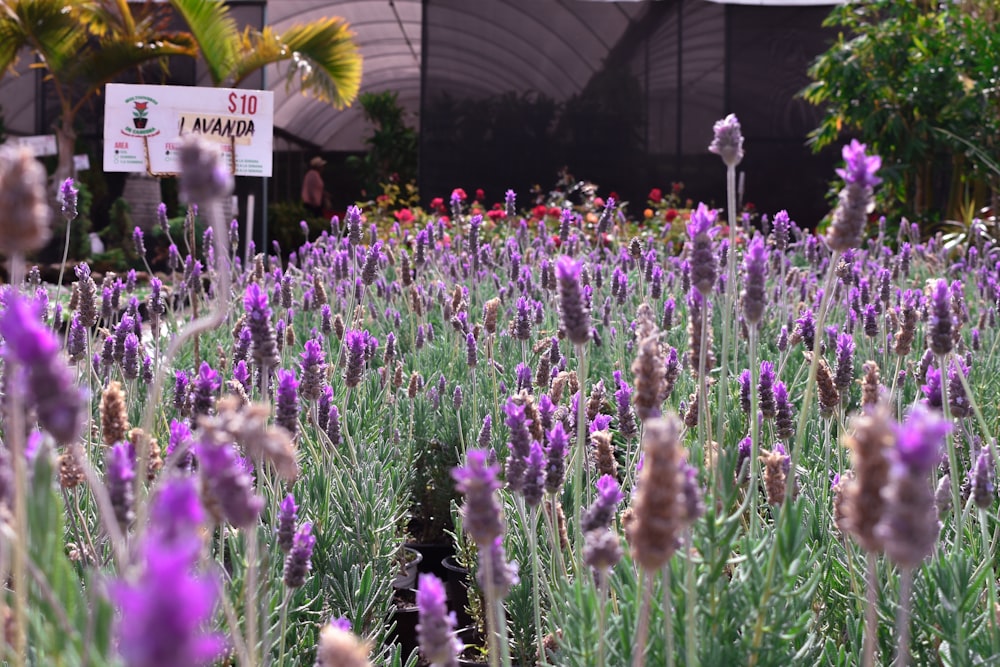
(436, 627)
(601, 513)
(573, 310)
(299, 559)
(754, 290)
(49, 383)
(288, 514)
(477, 481)
(164, 612)
(909, 526)
(851, 214)
(728, 140)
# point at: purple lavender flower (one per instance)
(369, 270)
(765, 389)
(118, 480)
(939, 320)
(755, 274)
(861, 168)
(180, 437)
(139, 243)
(264, 341)
(288, 516)
(242, 374)
(932, 388)
(471, 351)
(333, 426)
(704, 267)
(130, 360)
(76, 339)
(784, 423)
(205, 390)
(909, 525)
(68, 199)
(920, 438)
(844, 375)
(164, 612)
(203, 176)
(477, 481)
(355, 343)
(519, 444)
(851, 214)
(981, 478)
(48, 381)
(504, 573)
(600, 514)
(228, 482)
(176, 512)
(485, 433)
(744, 382)
(298, 562)
(727, 141)
(287, 413)
(439, 644)
(572, 308)
(313, 366)
(555, 453)
(533, 480)
(743, 459)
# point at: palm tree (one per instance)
(84, 44)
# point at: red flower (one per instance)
(538, 212)
(598, 202)
(656, 195)
(459, 193)
(141, 106)
(677, 187)
(480, 195)
(556, 240)
(670, 215)
(437, 204)
(614, 195)
(495, 214)
(555, 211)
(404, 215)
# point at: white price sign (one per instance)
(138, 118)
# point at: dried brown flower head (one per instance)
(114, 414)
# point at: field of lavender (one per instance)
(746, 444)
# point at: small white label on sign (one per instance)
(41, 144)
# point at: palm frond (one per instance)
(215, 31)
(95, 67)
(12, 38)
(51, 28)
(324, 60)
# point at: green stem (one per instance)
(989, 560)
(871, 611)
(284, 622)
(536, 563)
(580, 455)
(903, 618)
(691, 596)
(720, 405)
(956, 477)
(754, 433)
(668, 614)
(642, 629)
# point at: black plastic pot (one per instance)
(456, 586)
(433, 553)
(405, 616)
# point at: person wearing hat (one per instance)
(313, 194)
